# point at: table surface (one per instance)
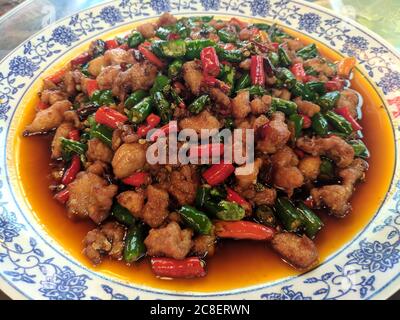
(30, 16)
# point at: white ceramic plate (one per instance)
(34, 266)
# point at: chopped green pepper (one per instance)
(360, 149)
(326, 169)
(122, 215)
(100, 131)
(227, 36)
(135, 98)
(284, 58)
(196, 219)
(173, 48)
(70, 147)
(135, 39)
(328, 100)
(319, 124)
(175, 69)
(134, 243)
(311, 222)
(139, 112)
(286, 76)
(160, 83)
(243, 82)
(230, 211)
(339, 122)
(287, 214)
(194, 47)
(266, 216)
(297, 121)
(285, 106)
(308, 52)
(199, 104)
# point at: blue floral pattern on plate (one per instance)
(32, 265)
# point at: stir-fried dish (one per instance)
(202, 73)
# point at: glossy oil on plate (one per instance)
(35, 266)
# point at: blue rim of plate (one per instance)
(63, 281)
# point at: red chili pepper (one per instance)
(275, 45)
(170, 127)
(257, 73)
(109, 117)
(243, 230)
(239, 23)
(309, 202)
(345, 113)
(111, 44)
(233, 196)
(211, 149)
(153, 120)
(336, 84)
(211, 81)
(150, 56)
(299, 153)
(218, 173)
(306, 121)
(142, 130)
(72, 171)
(210, 61)
(91, 86)
(229, 46)
(62, 196)
(81, 59)
(172, 268)
(58, 76)
(74, 135)
(41, 105)
(173, 36)
(298, 71)
(137, 179)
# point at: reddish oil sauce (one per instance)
(237, 263)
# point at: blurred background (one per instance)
(19, 19)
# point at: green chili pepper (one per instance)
(138, 113)
(311, 222)
(122, 215)
(196, 219)
(100, 131)
(135, 39)
(173, 48)
(230, 211)
(160, 83)
(308, 52)
(339, 122)
(202, 195)
(310, 71)
(274, 58)
(102, 97)
(227, 75)
(328, 100)
(177, 99)
(71, 147)
(199, 104)
(302, 90)
(286, 76)
(156, 48)
(243, 82)
(266, 216)
(194, 47)
(235, 56)
(135, 98)
(298, 123)
(227, 36)
(163, 107)
(256, 90)
(276, 34)
(218, 193)
(134, 243)
(284, 58)
(360, 149)
(285, 106)
(326, 169)
(164, 31)
(262, 26)
(287, 214)
(317, 87)
(175, 69)
(319, 124)
(200, 19)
